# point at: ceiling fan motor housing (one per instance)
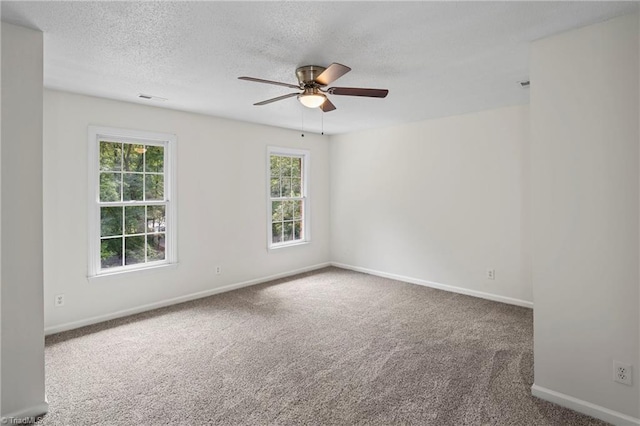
(308, 74)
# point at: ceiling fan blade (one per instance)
(277, 83)
(358, 91)
(332, 73)
(327, 106)
(279, 98)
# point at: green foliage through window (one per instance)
(132, 231)
(287, 198)
(146, 223)
(131, 172)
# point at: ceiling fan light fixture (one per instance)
(312, 100)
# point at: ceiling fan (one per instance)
(312, 80)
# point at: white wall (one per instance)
(222, 215)
(439, 200)
(0, 222)
(22, 361)
(585, 194)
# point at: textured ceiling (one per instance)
(436, 58)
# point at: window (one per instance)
(288, 203)
(132, 200)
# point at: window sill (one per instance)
(281, 246)
(120, 274)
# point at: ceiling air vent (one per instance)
(151, 97)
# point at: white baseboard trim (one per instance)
(161, 304)
(584, 407)
(29, 413)
(446, 287)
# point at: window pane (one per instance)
(288, 231)
(297, 230)
(133, 157)
(285, 185)
(134, 220)
(297, 209)
(296, 167)
(110, 221)
(110, 156)
(154, 187)
(286, 167)
(275, 166)
(156, 219)
(132, 187)
(274, 170)
(276, 232)
(287, 210)
(111, 253)
(276, 211)
(110, 186)
(134, 250)
(154, 159)
(275, 188)
(155, 247)
(296, 189)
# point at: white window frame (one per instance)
(96, 134)
(306, 215)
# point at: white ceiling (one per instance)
(436, 58)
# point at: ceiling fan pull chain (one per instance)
(322, 123)
(302, 122)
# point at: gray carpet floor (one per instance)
(330, 347)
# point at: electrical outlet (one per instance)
(491, 274)
(59, 300)
(218, 270)
(622, 373)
